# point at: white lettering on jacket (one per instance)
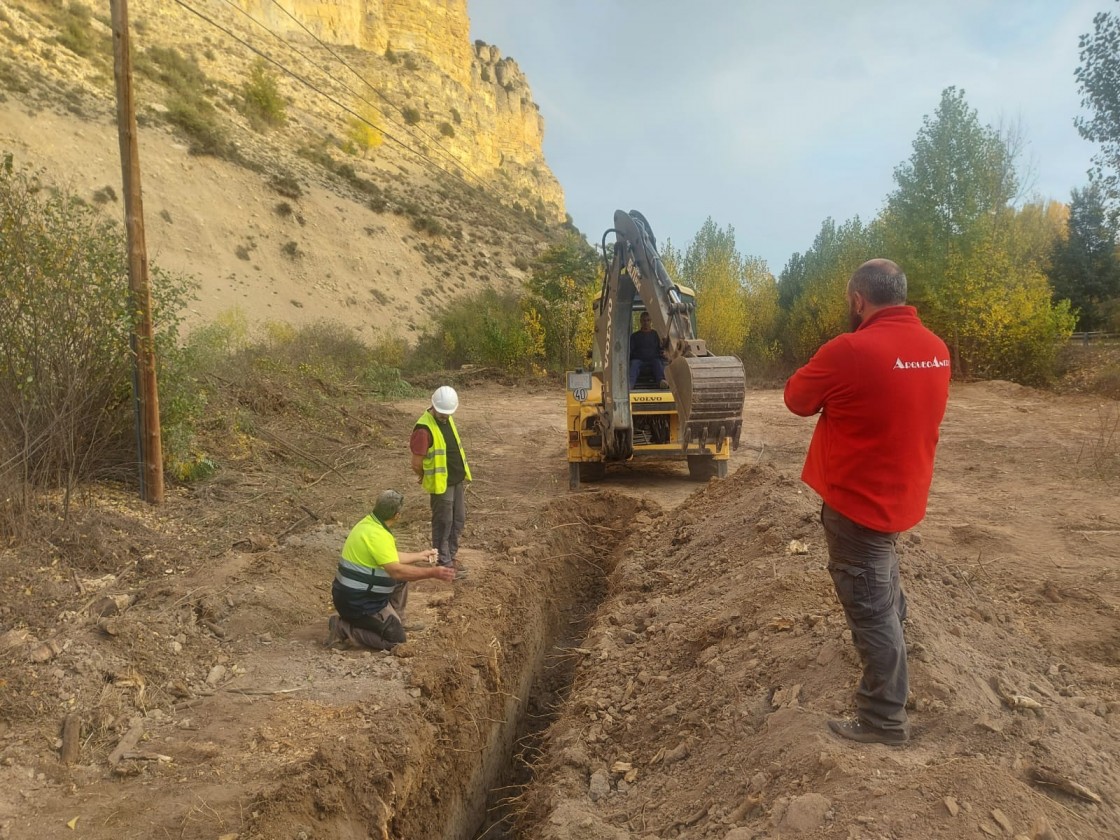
(930, 363)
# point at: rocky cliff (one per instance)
(313, 216)
(478, 100)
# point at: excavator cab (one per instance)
(699, 417)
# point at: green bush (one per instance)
(426, 224)
(65, 323)
(487, 328)
(173, 70)
(261, 101)
(198, 119)
(77, 34)
(410, 114)
(446, 129)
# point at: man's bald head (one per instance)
(880, 282)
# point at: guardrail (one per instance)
(1093, 337)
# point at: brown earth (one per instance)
(684, 660)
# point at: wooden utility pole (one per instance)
(143, 335)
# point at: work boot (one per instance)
(664, 385)
(460, 569)
(338, 631)
(857, 730)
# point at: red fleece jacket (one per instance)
(881, 392)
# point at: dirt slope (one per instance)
(712, 656)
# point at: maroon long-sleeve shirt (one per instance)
(881, 392)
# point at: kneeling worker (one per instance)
(370, 589)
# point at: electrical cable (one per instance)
(324, 94)
(370, 85)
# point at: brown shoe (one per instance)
(664, 384)
(338, 632)
(460, 569)
(855, 730)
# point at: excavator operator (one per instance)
(646, 354)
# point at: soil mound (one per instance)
(701, 708)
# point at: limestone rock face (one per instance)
(475, 100)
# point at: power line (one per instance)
(344, 86)
(321, 92)
(369, 84)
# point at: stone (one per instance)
(951, 806)
(1002, 821)
(805, 813)
(600, 785)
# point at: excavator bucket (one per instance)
(709, 392)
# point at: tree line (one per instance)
(1002, 279)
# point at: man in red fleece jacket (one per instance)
(881, 391)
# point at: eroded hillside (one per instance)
(404, 170)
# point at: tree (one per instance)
(958, 179)
(65, 325)
(974, 271)
(560, 289)
(1085, 270)
(713, 267)
(760, 296)
(1098, 78)
(815, 283)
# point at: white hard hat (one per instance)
(445, 400)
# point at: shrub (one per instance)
(261, 101)
(173, 70)
(287, 186)
(77, 33)
(426, 224)
(410, 114)
(363, 132)
(65, 325)
(446, 129)
(198, 119)
(489, 328)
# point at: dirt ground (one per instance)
(673, 653)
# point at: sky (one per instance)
(773, 115)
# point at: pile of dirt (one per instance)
(709, 677)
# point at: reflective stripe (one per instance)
(369, 546)
(356, 576)
(435, 460)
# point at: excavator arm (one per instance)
(708, 390)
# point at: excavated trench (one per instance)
(488, 679)
(582, 540)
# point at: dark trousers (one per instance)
(449, 517)
(380, 630)
(864, 568)
(655, 366)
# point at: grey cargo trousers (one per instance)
(864, 567)
(449, 517)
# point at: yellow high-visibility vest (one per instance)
(435, 460)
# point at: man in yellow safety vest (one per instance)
(440, 464)
(370, 589)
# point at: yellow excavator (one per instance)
(698, 418)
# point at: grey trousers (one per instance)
(449, 517)
(385, 628)
(864, 567)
